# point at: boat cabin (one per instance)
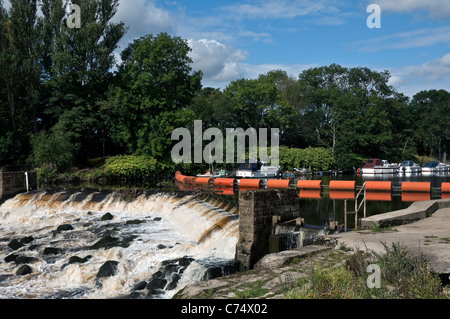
(250, 166)
(372, 162)
(407, 163)
(432, 164)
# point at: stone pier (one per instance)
(12, 183)
(259, 211)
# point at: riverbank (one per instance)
(427, 239)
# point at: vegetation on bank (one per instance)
(402, 275)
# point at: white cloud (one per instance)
(143, 17)
(436, 8)
(433, 74)
(219, 63)
(406, 40)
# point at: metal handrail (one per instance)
(357, 207)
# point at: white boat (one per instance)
(377, 166)
(443, 167)
(409, 167)
(430, 167)
(257, 169)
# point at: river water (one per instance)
(172, 240)
(326, 208)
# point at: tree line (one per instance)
(65, 100)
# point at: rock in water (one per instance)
(107, 216)
(51, 251)
(64, 227)
(24, 270)
(11, 257)
(108, 269)
(15, 244)
(26, 240)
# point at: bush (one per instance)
(318, 159)
(131, 167)
(46, 175)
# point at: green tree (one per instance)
(156, 84)
(77, 65)
(431, 111)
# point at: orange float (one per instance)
(225, 182)
(278, 183)
(342, 185)
(424, 187)
(250, 183)
(204, 180)
(378, 186)
(445, 187)
(309, 184)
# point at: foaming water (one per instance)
(153, 231)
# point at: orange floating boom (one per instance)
(250, 183)
(278, 183)
(424, 187)
(342, 185)
(309, 184)
(445, 187)
(204, 180)
(225, 182)
(378, 186)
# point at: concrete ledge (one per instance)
(277, 260)
(417, 211)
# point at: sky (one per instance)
(231, 40)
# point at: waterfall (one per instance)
(162, 240)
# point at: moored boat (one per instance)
(443, 167)
(257, 169)
(410, 167)
(378, 166)
(430, 167)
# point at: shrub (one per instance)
(46, 175)
(131, 167)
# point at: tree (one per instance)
(156, 85)
(431, 110)
(77, 65)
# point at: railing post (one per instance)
(345, 215)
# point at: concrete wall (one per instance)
(259, 211)
(12, 183)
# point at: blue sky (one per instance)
(242, 39)
(245, 38)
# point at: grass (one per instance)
(252, 290)
(401, 277)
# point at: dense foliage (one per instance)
(61, 103)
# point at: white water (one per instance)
(185, 229)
